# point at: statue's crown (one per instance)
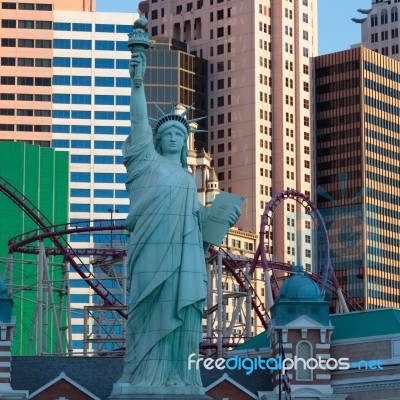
(178, 114)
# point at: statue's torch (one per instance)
(138, 41)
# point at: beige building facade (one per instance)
(259, 110)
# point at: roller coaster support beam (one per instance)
(8, 273)
(219, 304)
(341, 299)
(46, 276)
(39, 321)
(69, 318)
(248, 303)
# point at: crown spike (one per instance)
(160, 110)
(187, 110)
(195, 119)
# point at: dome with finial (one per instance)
(300, 287)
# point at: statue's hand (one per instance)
(234, 216)
(137, 67)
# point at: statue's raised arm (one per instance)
(138, 42)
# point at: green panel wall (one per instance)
(41, 174)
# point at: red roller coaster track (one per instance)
(50, 231)
(22, 243)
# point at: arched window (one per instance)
(384, 17)
(304, 351)
(394, 16)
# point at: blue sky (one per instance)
(336, 30)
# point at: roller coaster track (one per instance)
(50, 231)
(326, 281)
(46, 230)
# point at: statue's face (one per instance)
(173, 139)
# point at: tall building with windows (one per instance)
(358, 171)
(380, 27)
(259, 111)
(26, 67)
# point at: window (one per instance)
(306, 86)
(8, 23)
(122, 64)
(7, 96)
(81, 81)
(305, 18)
(25, 81)
(7, 80)
(81, 114)
(42, 97)
(80, 44)
(61, 114)
(103, 81)
(107, 115)
(10, 61)
(7, 42)
(44, 7)
(124, 28)
(81, 99)
(42, 62)
(82, 27)
(43, 44)
(103, 130)
(62, 26)
(7, 111)
(9, 6)
(220, 14)
(61, 80)
(26, 24)
(42, 113)
(384, 17)
(101, 177)
(104, 99)
(62, 43)
(7, 127)
(25, 97)
(104, 45)
(81, 63)
(123, 82)
(80, 144)
(44, 25)
(105, 28)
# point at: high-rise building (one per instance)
(40, 175)
(358, 171)
(26, 67)
(380, 27)
(259, 110)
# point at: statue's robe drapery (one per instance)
(167, 268)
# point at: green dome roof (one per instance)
(300, 287)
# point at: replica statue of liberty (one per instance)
(165, 254)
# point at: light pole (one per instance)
(112, 211)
